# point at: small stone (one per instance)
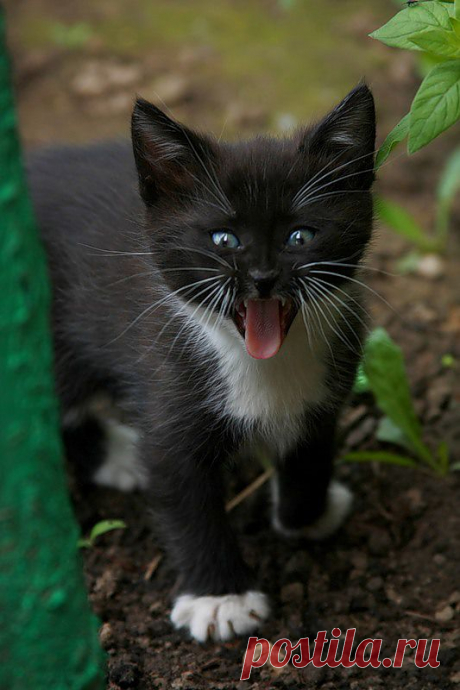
(431, 266)
(393, 595)
(293, 592)
(115, 103)
(359, 560)
(173, 89)
(298, 565)
(375, 583)
(424, 314)
(445, 614)
(415, 499)
(353, 415)
(160, 684)
(379, 542)
(241, 115)
(363, 430)
(437, 398)
(106, 584)
(285, 122)
(455, 678)
(98, 78)
(439, 559)
(125, 675)
(452, 324)
(105, 634)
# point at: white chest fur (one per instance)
(267, 396)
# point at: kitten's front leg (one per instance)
(306, 500)
(216, 597)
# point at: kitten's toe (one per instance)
(338, 505)
(121, 469)
(220, 617)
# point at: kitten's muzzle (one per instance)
(264, 281)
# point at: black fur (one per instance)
(110, 254)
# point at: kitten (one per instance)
(217, 309)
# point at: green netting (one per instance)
(48, 635)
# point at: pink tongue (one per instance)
(263, 328)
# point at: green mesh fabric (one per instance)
(48, 635)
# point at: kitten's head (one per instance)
(255, 230)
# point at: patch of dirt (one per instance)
(393, 570)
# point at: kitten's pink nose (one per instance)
(264, 281)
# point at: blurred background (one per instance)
(238, 67)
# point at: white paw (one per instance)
(121, 468)
(220, 617)
(338, 505)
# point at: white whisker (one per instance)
(358, 282)
(321, 292)
(155, 305)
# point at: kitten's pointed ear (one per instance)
(348, 134)
(168, 155)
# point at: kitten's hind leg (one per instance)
(121, 468)
(103, 450)
(306, 501)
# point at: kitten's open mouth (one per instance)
(264, 324)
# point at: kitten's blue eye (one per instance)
(222, 238)
(300, 237)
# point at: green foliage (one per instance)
(100, 528)
(448, 361)
(436, 105)
(384, 373)
(403, 222)
(397, 134)
(448, 187)
(71, 36)
(434, 28)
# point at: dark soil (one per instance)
(393, 570)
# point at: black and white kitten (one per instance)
(218, 309)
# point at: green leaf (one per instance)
(436, 105)
(379, 456)
(448, 361)
(439, 42)
(455, 467)
(448, 186)
(101, 528)
(449, 183)
(389, 432)
(396, 135)
(384, 366)
(457, 9)
(443, 457)
(402, 222)
(361, 384)
(409, 262)
(455, 24)
(398, 32)
(71, 36)
(106, 526)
